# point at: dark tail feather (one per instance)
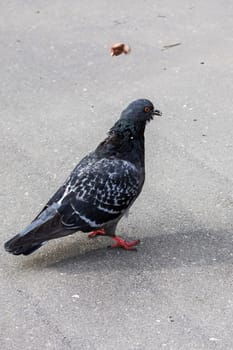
(13, 246)
(47, 226)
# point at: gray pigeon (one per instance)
(100, 189)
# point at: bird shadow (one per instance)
(161, 251)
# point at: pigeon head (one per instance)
(126, 138)
(140, 111)
(133, 119)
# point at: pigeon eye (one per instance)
(147, 109)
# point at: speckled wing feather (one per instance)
(97, 191)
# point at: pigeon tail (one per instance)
(17, 247)
(35, 234)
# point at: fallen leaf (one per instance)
(119, 48)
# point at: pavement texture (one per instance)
(60, 92)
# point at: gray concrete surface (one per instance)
(60, 92)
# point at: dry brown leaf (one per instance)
(119, 48)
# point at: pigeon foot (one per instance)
(121, 243)
(98, 232)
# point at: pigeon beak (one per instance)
(157, 112)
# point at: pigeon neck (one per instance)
(127, 126)
(125, 141)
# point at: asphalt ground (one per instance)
(60, 91)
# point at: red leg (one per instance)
(121, 243)
(100, 232)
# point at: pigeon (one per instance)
(99, 191)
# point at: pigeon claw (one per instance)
(121, 243)
(99, 232)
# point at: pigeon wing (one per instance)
(64, 189)
(98, 193)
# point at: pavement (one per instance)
(60, 92)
